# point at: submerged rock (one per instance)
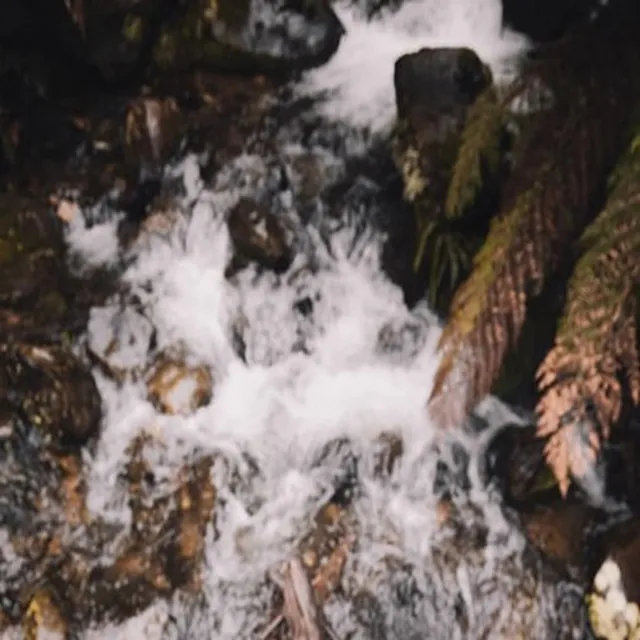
(253, 36)
(479, 583)
(103, 574)
(258, 236)
(174, 387)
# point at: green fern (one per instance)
(479, 153)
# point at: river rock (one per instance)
(53, 390)
(434, 88)
(51, 585)
(258, 236)
(515, 463)
(120, 34)
(32, 268)
(258, 36)
(374, 8)
(468, 589)
(175, 387)
(151, 135)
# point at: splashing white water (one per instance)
(359, 78)
(307, 379)
(280, 408)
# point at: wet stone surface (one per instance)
(257, 235)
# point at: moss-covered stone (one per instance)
(53, 390)
(259, 37)
(434, 90)
(31, 248)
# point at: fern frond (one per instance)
(479, 152)
(444, 256)
(596, 344)
(560, 165)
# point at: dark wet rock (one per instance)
(622, 469)
(399, 340)
(65, 584)
(42, 42)
(31, 251)
(515, 462)
(370, 615)
(387, 453)
(346, 463)
(457, 590)
(477, 580)
(53, 390)
(27, 473)
(570, 533)
(120, 34)
(254, 37)
(310, 174)
(40, 300)
(342, 460)
(559, 531)
(151, 135)
(328, 537)
(375, 8)
(434, 88)
(258, 236)
(545, 20)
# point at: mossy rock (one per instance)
(53, 390)
(435, 89)
(31, 252)
(249, 37)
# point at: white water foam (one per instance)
(275, 412)
(281, 406)
(358, 80)
(306, 380)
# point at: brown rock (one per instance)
(258, 236)
(558, 532)
(151, 134)
(43, 615)
(177, 388)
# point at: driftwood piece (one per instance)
(300, 610)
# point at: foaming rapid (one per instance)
(305, 382)
(358, 80)
(302, 363)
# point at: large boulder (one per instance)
(255, 36)
(434, 90)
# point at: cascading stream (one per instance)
(316, 389)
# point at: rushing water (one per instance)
(308, 378)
